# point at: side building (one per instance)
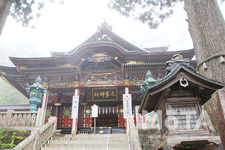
(100, 69)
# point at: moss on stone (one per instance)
(149, 138)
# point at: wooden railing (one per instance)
(18, 119)
(133, 134)
(36, 140)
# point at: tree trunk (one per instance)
(207, 29)
(4, 11)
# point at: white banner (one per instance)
(94, 111)
(75, 107)
(127, 105)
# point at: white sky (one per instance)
(63, 27)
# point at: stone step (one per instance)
(77, 145)
(88, 145)
(95, 135)
(83, 148)
(77, 141)
(91, 137)
(89, 142)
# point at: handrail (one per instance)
(47, 131)
(133, 134)
(40, 137)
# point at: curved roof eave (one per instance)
(176, 70)
(117, 39)
(102, 43)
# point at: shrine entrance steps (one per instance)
(88, 142)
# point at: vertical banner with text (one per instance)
(94, 111)
(127, 105)
(75, 107)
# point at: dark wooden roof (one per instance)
(103, 41)
(105, 36)
(14, 84)
(85, 52)
(17, 107)
(153, 92)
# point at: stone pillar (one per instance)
(42, 111)
(8, 117)
(218, 99)
(75, 111)
(167, 147)
(220, 147)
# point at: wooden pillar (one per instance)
(75, 111)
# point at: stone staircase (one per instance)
(88, 142)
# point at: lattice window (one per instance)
(186, 116)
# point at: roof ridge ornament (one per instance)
(175, 61)
(105, 24)
(149, 80)
(38, 80)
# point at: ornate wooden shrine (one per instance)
(178, 99)
(100, 68)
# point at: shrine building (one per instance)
(98, 71)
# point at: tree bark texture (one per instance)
(4, 11)
(207, 29)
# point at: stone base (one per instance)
(182, 140)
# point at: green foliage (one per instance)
(22, 131)
(8, 95)
(1, 134)
(10, 138)
(26, 10)
(153, 12)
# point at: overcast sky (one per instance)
(63, 27)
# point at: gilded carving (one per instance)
(76, 84)
(45, 85)
(126, 82)
(66, 66)
(22, 68)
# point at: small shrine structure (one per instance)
(178, 99)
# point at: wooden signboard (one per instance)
(105, 94)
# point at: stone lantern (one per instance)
(149, 80)
(36, 92)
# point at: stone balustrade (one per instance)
(18, 119)
(28, 120)
(39, 136)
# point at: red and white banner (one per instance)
(75, 107)
(127, 105)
